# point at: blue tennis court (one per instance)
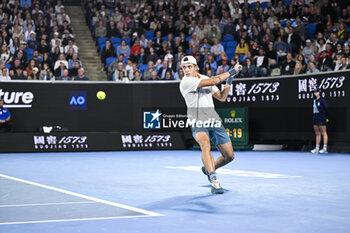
(165, 191)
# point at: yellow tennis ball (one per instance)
(101, 95)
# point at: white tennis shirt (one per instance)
(199, 101)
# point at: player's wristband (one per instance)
(232, 72)
(229, 80)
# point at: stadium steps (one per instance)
(87, 47)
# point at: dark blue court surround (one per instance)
(265, 192)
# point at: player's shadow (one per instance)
(205, 203)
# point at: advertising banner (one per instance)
(90, 141)
(280, 108)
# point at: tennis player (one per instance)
(198, 91)
(319, 121)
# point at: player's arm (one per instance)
(220, 78)
(214, 80)
(222, 95)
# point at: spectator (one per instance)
(217, 48)
(308, 50)
(169, 75)
(242, 48)
(342, 32)
(135, 51)
(81, 76)
(65, 76)
(179, 74)
(325, 63)
(261, 63)
(71, 45)
(124, 49)
(35, 75)
(5, 118)
(344, 64)
(43, 47)
(74, 71)
(73, 60)
(154, 76)
(287, 66)
(126, 31)
(224, 66)
(298, 69)
(301, 60)
(147, 74)
(249, 70)
(61, 59)
(321, 44)
(6, 55)
(157, 42)
(101, 30)
(19, 74)
(293, 40)
(120, 74)
(143, 41)
(58, 72)
(29, 68)
(45, 73)
(163, 69)
(112, 30)
(108, 51)
(212, 62)
(312, 68)
(337, 62)
(137, 75)
(214, 33)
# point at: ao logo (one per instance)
(78, 100)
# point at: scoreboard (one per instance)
(235, 121)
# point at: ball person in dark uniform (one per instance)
(5, 117)
(319, 121)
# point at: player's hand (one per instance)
(238, 67)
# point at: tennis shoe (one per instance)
(205, 172)
(323, 151)
(315, 151)
(216, 187)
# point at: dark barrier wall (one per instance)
(90, 141)
(279, 108)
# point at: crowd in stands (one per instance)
(37, 42)
(146, 40)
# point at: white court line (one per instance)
(47, 204)
(149, 213)
(74, 219)
(238, 172)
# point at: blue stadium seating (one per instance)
(230, 44)
(310, 30)
(228, 38)
(116, 40)
(127, 39)
(142, 68)
(29, 53)
(109, 60)
(149, 34)
(188, 38)
(102, 40)
(101, 46)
